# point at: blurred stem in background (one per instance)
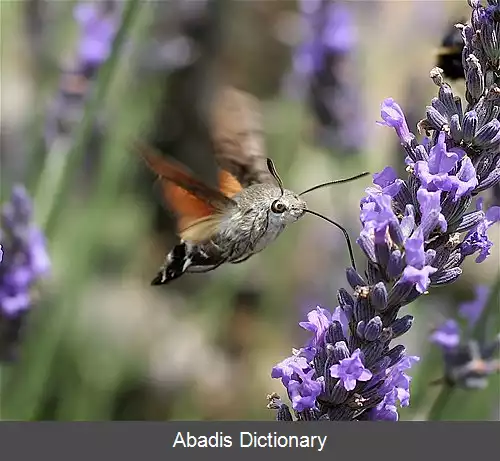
(53, 193)
(62, 162)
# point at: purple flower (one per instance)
(98, 28)
(289, 368)
(393, 117)
(330, 30)
(340, 316)
(386, 410)
(397, 382)
(430, 208)
(25, 261)
(467, 361)
(476, 239)
(303, 393)
(298, 377)
(377, 215)
(395, 387)
(416, 271)
(420, 277)
(465, 181)
(318, 322)
(385, 183)
(471, 310)
(442, 160)
(350, 370)
(322, 75)
(447, 335)
(435, 175)
(414, 249)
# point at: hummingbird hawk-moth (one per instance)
(247, 211)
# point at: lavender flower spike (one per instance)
(416, 233)
(25, 261)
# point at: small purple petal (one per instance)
(393, 117)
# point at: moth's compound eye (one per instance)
(277, 207)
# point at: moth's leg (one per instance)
(202, 270)
(241, 260)
(204, 259)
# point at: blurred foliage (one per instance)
(101, 344)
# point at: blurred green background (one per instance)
(101, 343)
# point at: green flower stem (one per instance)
(440, 403)
(64, 160)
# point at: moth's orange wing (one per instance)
(168, 169)
(228, 184)
(198, 207)
(187, 207)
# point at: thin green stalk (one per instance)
(440, 403)
(63, 160)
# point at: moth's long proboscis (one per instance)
(346, 235)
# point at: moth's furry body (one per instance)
(245, 229)
(249, 208)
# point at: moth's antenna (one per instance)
(274, 173)
(338, 181)
(346, 235)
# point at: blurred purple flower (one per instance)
(98, 23)
(25, 259)
(321, 68)
(467, 361)
(329, 26)
(447, 335)
(471, 310)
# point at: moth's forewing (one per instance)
(237, 135)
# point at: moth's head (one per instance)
(288, 207)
